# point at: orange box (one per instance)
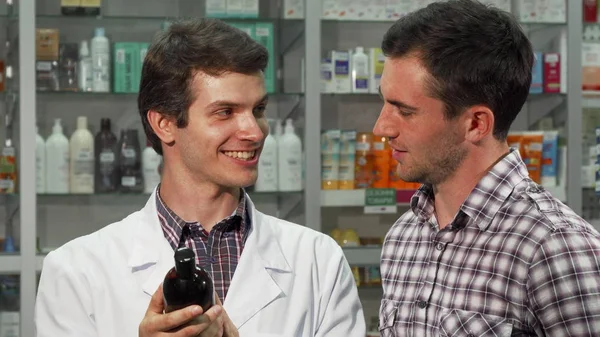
(381, 168)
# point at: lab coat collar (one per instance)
(257, 281)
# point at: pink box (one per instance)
(552, 72)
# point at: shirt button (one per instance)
(225, 235)
(439, 246)
(422, 304)
(213, 260)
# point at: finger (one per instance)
(175, 319)
(156, 302)
(217, 299)
(205, 325)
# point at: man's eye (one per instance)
(260, 110)
(225, 112)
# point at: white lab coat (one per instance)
(290, 281)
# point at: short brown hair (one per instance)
(175, 55)
(475, 53)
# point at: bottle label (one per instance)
(128, 181)
(363, 146)
(84, 163)
(107, 157)
(7, 184)
(379, 146)
(129, 153)
(8, 152)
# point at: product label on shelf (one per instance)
(107, 157)
(128, 181)
(84, 163)
(363, 146)
(6, 184)
(9, 324)
(129, 153)
(380, 201)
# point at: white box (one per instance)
(556, 11)
(216, 8)
(250, 8)
(590, 61)
(526, 11)
(504, 5)
(328, 84)
(377, 10)
(341, 71)
(293, 9)
(330, 10)
(346, 10)
(235, 8)
(396, 9)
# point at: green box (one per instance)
(264, 36)
(125, 68)
(143, 50)
(249, 28)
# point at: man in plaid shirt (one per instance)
(483, 250)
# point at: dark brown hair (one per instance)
(175, 55)
(476, 54)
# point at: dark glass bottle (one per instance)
(130, 165)
(107, 173)
(187, 284)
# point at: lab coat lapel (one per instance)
(151, 256)
(259, 276)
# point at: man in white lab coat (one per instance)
(202, 101)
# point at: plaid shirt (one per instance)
(514, 262)
(218, 251)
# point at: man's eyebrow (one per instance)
(398, 104)
(230, 104)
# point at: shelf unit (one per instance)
(311, 33)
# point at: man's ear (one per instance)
(163, 126)
(479, 122)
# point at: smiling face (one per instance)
(427, 146)
(226, 129)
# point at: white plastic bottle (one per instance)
(150, 168)
(289, 149)
(57, 161)
(85, 67)
(82, 159)
(360, 71)
(267, 164)
(100, 62)
(40, 163)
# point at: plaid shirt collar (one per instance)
(486, 198)
(238, 220)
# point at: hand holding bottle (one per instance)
(229, 329)
(186, 322)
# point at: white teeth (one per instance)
(245, 155)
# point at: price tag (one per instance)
(380, 201)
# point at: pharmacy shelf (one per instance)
(10, 264)
(356, 198)
(363, 256)
(99, 18)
